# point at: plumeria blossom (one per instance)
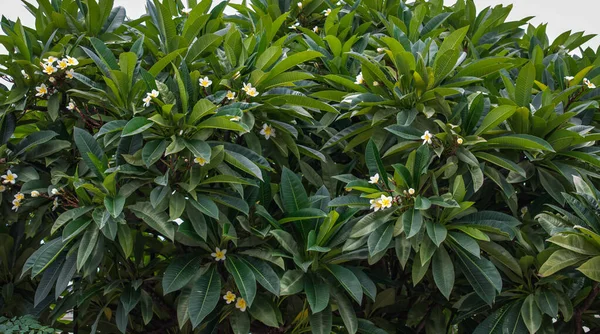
(71, 61)
(62, 64)
(253, 92)
(49, 69)
(54, 191)
(219, 254)
(16, 204)
(359, 79)
(267, 131)
(375, 205)
(50, 60)
(327, 11)
(2, 188)
(316, 29)
(71, 105)
(147, 101)
(154, 93)
(229, 297)
(19, 196)
(200, 161)
(241, 304)
(10, 177)
(247, 87)
(375, 83)
(374, 179)
(235, 118)
(55, 204)
(69, 74)
(588, 83)
(178, 221)
(380, 50)
(25, 75)
(41, 90)
(294, 26)
(427, 137)
(230, 95)
(186, 11)
(52, 80)
(205, 82)
(35, 193)
(386, 201)
(569, 78)
(300, 5)
(411, 191)
(459, 141)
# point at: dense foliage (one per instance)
(361, 166)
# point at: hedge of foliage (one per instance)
(361, 166)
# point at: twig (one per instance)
(586, 304)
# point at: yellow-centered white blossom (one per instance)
(147, 101)
(386, 201)
(374, 179)
(588, 83)
(219, 254)
(380, 50)
(10, 177)
(200, 161)
(375, 205)
(411, 191)
(16, 204)
(229, 297)
(71, 61)
(62, 64)
(247, 87)
(241, 304)
(154, 93)
(569, 78)
(35, 193)
(230, 95)
(19, 196)
(49, 69)
(25, 75)
(69, 74)
(327, 11)
(299, 5)
(459, 141)
(41, 90)
(235, 118)
(50, 60)
(426, 137)
(267, 131)
(205, 82)
(316, 29)
(71, 105)
(294, 26)
(252, 92)
(359, 79)
(186, 11)
(375, 83)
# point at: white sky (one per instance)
(561, 15)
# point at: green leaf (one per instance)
(199, 148)
(380, 239)
(159, 221)
(44, 256)
(136, 125)
(243, 277)
(87, 245)
(347, 313)
(437, 232)
(303, 214)
(524, 85)
(547, 302)
(412, 221)
(348, 281)
(591, 268)
(521, 142)
(373, 161)
(292, 282)
(317, 293)
(443, 271)
(494, 118)
(179, 272)
(481, 274)
(293, 195)
(32, 140)
(321, 322)
(576, 243)
(153, 151)
(559, 260)
(205, 205)
(264, 274)
(263, 311)
(531, 314)
(86, 144)
(205, 296)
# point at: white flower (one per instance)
(230, 95)
(339, 3)
(386, 201)
(241, 304)
(50, 60)
(588, 83)
(71, 105)
(54, 191)
(426, 137)
(178, 221)
(374, 179)
(72, 61)
(16, 205)
(10, 177)
(375, 83)
(62, 64)
(253, 92)
(235, 118)
(41, 90)
(459, 141)
(19, 197)
(186, 11)
(154, 93)
(380, 50)
(375, 205)
(359, 79)
(327, 11)
(411, 191)
(267, 131)
(295, 26)
(25, 75)
(229, 297)
(316, 29)
(49, 69)
(200, 160)
(2, 188)
(52, 80)
(69, 73)
(569, 78)
(55, 204)
(247, 87)
(205, 82)
(219, 254)
(147, 101)
(300, 5)
(35, 193)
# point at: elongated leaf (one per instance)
(205, 296)
(180, 272)
(243, 277)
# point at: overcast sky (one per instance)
(561, 15)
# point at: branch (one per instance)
(586, 304)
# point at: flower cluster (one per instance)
(251, 91)
(49, 68)
(230, 297)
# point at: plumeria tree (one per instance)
(350, 167)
